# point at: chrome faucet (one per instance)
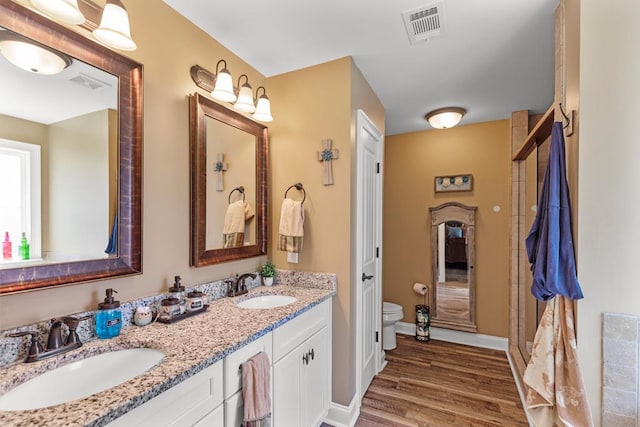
(56, 344)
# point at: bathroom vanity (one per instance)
(199, 380)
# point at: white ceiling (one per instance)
(493, 57)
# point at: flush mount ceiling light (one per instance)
(114, 30)
(444, 118)
(30, 56)
(66, 11)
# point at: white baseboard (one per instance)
(344, 416)
(459, 337)
(520, 387)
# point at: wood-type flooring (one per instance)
(437, 383)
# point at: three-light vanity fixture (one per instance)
(220, 85)
(114, 30)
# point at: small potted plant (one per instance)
(267, 272)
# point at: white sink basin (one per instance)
(267, 301)
(80, 379)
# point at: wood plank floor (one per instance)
(442, 384)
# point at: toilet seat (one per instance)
(390, 308)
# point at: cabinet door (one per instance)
(315, 377)
(214, 418)
(287, 391)
(234, 410)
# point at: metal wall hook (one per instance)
(568, 120)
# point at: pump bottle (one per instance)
(6, 247)
(108, 317)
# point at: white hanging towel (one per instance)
(291, 231)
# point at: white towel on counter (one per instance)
(291, 231)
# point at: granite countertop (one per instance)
(189, 345)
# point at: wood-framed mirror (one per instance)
(453, 266)
(119, 233)
(228, 184)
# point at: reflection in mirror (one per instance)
(70, 145)
(59, 154)
(231, 186)
(228, 184)
(453, 253)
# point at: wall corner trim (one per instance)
(344, 416)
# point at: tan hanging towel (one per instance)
(291, 231)
(555, 390)
(234, 220)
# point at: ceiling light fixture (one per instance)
(31, 56)
(263, 107)
(66, 11)
(444, 118)
(114, 30)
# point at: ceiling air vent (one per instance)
(88, 81)
(424, 23)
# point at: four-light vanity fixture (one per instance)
(114, 30)
(220, 85)
(445, 118)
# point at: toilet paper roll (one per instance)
(420, 288)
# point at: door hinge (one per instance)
(377, 336)
(378, 167)
(377, 252)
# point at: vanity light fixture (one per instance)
(66, 11)
(220, 86)
(444, 118)
(114, 30)
(31, 56)
(263, 107)
(223, 89)
(245, 96)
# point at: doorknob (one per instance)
(365, 277)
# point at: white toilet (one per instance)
(391, 314)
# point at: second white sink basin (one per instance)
(80, 379)
(267, 301)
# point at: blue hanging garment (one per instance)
(112, 245)
(550, 241)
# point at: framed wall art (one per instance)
(453, 183)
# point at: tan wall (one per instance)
(313, 104)
(78, 221)
(167, 57)
(411, 162)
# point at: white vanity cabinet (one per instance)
(302, 369)
(195, 401)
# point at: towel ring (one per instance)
(298, 186)
(239, 189)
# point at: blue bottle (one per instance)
(108, 317)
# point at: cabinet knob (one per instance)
(305, 358)
(312, 354)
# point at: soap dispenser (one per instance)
(178, 291)
(108, 317)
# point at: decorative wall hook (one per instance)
(567, 124)
(219, 167)
(326, 156)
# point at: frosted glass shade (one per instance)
(245, 99)
(263, 110)
(445, 118)
(223, 90)
(62, 10)
(114, 30)
(33, 58)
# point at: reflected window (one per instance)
(20, 202)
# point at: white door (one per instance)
(368, 143)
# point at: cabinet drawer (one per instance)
(293, 333)
(182, 405)
(234, 361)
(234, 410)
